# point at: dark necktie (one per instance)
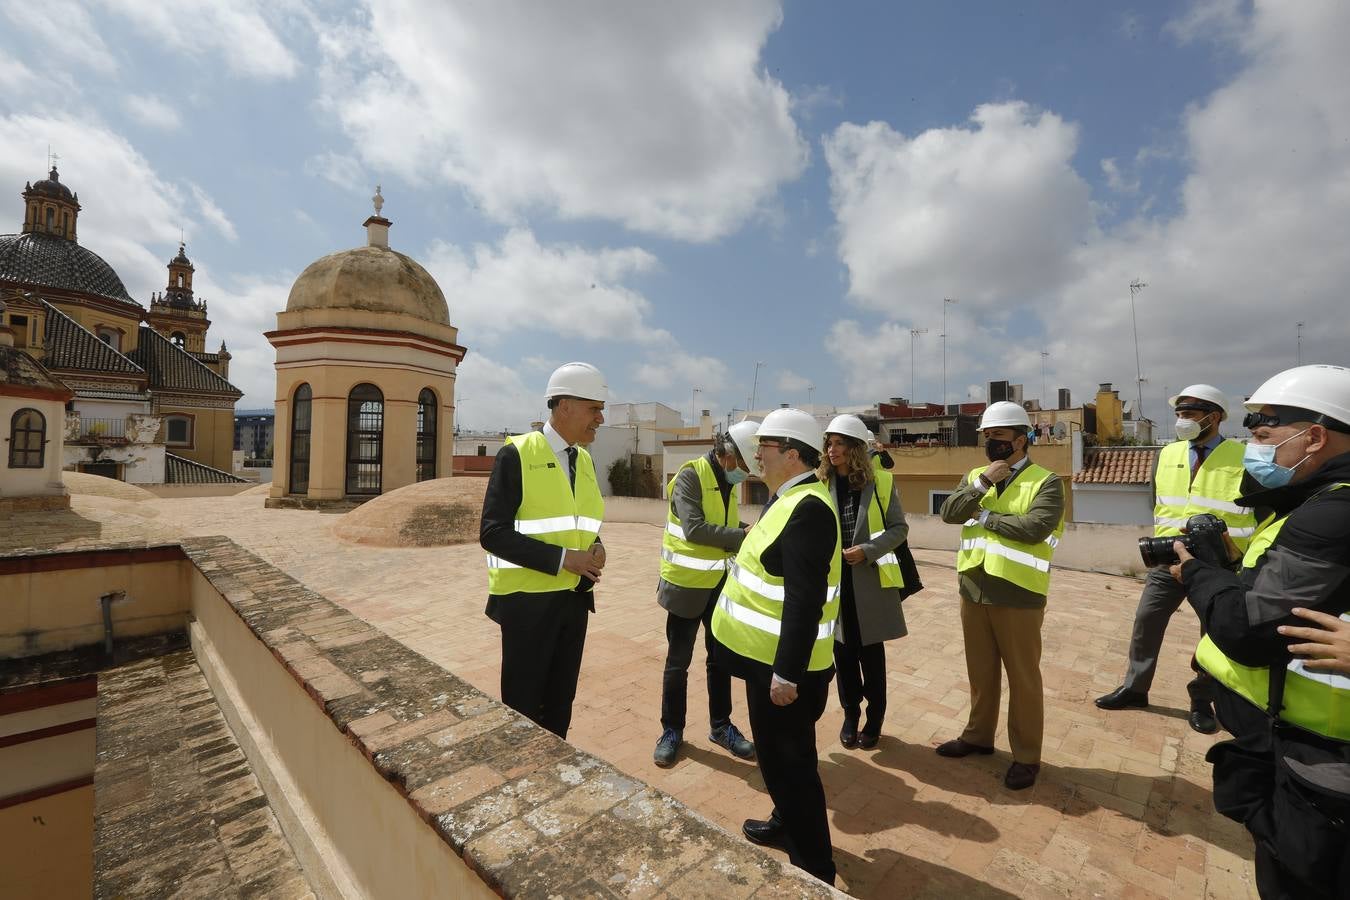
(1199, 461)
(572, 468)
(772, 497)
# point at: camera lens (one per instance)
(1157, 551)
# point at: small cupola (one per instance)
(50, 207)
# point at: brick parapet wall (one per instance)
(527, 811)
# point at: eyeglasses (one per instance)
(779, 444)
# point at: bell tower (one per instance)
(49, 207)
(175, 312)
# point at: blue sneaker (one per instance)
(667, 748)
(730, 738)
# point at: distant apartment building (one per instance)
(253, 432)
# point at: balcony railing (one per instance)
(103, 428)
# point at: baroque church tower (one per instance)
(180, 317)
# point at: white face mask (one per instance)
(1189, 429)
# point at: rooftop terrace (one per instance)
(1122, 808)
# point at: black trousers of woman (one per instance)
(860, 670)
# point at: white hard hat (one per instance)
(850, 426)
(577, 379)
(1004, 414)
(743, 434)
(791, 423)
(1206, 392)
(1320, 389)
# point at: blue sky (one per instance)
(678, 191)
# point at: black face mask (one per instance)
(996, 450)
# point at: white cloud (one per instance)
(658, 116)
(675, 368)
(15, 77)
(1117, 180)
(987, 214)
(338, 168)
(152, 111)
(790, 382)
(490, 395)
(237, 32)
(213, 214)
(65, 28)
(520, 285)
(240, 311)
(996, 216)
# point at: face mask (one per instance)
(1189, 429)
(1259, 461)
(996, 450)
(736, 476)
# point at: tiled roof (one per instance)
(45, 260)
(173, 368)
(1118, 465)
(178, 470)
(72, 346)
(18, 368)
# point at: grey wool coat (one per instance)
(880, 617)
(686, 498)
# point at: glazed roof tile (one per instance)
(178, 470)
(72, 346)
(45, 260)
(19, 369)
(172, 368)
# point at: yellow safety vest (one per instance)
(1025, 565)
(749, 615)
(1217, 484)
(683, 562)
(551, 512)
(888, 567)
(1317, 701)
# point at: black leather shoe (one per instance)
(956, 748)
(765, 832)
(1021, 776)
(1203, 721)
(867, 740)
(1123, 698)
(848, 735)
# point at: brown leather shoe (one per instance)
(1021, 776)
(958, 747)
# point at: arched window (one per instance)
(300, 419)
(179, 339)
(180, 279)
(426, 435)
(51, 218)
(365, 439)
(27, 439)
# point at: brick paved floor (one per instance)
(1122, 808)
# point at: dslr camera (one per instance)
(1203, 540)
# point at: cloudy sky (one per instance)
(679, 192)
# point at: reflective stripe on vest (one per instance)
(888, 566)
(683, 562)
(1217, 484)
(1317, 701)
(549, 512)
(1025, 565)
(749, 613)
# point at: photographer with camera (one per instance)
(1200, 474)
(1286, 773)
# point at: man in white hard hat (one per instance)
(774, 625)
(1200, 473)
(703, 533)
(1286, 773)
(541, 526)
(1013, 515)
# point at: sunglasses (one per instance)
(1288, 415)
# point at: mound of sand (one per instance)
(82, 483)
(432, 513)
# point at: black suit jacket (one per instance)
(801, 555)
(497, 533)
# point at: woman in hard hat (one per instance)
(872, 526)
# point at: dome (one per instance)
(370, 278)
(48, 261)
(51, 186)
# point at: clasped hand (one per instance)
(586, 563)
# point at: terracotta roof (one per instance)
(1118, 465)
(72, 346)
(178, 470)
(21, 370)
(45, 260)
(172, 368)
